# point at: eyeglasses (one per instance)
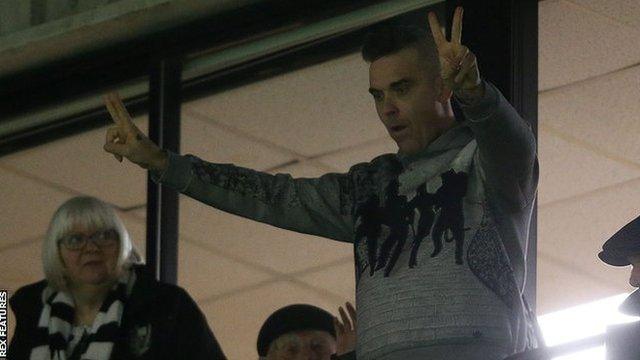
(102, 239)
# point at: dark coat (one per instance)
(178, 328)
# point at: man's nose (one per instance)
(389, 107)
(634, 279)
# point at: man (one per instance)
(306, 332)
(623, 249)
(422, 297)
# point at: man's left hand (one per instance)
(458, 65)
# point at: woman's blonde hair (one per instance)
(90, 213)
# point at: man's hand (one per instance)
(458, 65)
(126, 140)
(345, 330)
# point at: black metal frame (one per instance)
(163, 203)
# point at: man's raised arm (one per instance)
(506, 144)
(320, 206)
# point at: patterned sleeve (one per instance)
(317, 206)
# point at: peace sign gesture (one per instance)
(458, 65)
(126, 140)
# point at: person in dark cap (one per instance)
(301, 331)
(623, 249)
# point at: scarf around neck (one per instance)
(57, 317)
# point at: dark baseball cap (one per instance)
(624, 243)
(297, 317)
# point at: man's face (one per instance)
(302, 345)
(406, 99)
(634, 279)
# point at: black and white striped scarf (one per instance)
(56, 323)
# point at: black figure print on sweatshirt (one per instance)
(398, 217)
(441, 216)
(370, 227)
(450, 220)
(425, 203)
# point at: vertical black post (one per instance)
(162, 203)
(504, 36)
(524, 96)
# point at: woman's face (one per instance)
(90, 256)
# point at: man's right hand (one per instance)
(126, 140)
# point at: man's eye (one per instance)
(377, 97)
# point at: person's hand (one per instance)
(126, 140)
(345, 330)
(458, 65)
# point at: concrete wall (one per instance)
(16, 15)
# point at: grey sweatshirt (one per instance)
(439, 237)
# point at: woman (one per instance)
(97, 302)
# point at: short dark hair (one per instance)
(389, 39)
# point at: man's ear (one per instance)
(444, 94)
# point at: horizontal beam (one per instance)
(87, 103)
